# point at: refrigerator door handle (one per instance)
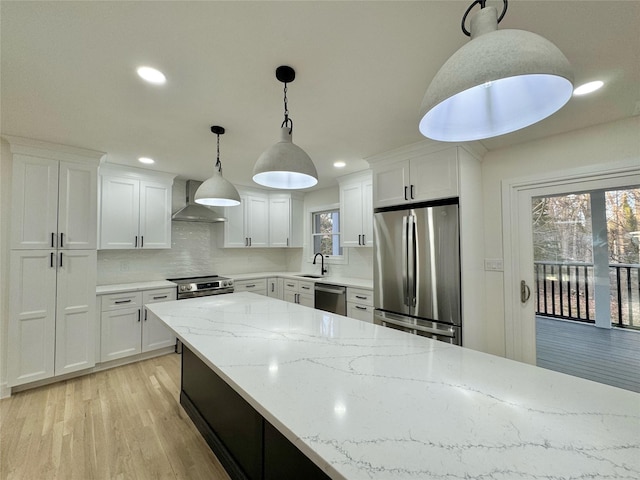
(411, 261)
(405, 259)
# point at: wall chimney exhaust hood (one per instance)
(194, 212)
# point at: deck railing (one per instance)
(565, 290)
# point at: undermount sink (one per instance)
(307, 275)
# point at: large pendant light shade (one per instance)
(499, 82)
(217, 190)
(285, 165)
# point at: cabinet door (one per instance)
(279, 221)
(155, 333)
(234, 233)
(389, 182)
(32, 310)
(76, 316)
(119, 212)
(290, 296)
(307, 299)
(351, 210)
(78, 206)
(34, 203)
(275, 288)
(121, 333)
(367, 212)
(155, 215)
(435, 176)
(258, 221)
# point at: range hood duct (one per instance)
(194, 212)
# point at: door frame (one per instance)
(517, 239)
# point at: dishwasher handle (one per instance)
(336, 290)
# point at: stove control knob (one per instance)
(224, 284)
(230, 283)
(189, 287)
(182, 288)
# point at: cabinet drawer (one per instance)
(291, 285)
(360, 296)
(306, 287)
(360, 312)
(115, 301)
(153, 296)
(258, 285)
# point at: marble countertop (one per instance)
(367, 402)
(135, 286)
(346, 281)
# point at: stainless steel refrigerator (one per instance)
(417, 269)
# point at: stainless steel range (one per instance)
(191, 287)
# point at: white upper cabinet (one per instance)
(285, 220)
(247, 224)
(422, 177)
(54, 203)
(356, 210)
(135, 209)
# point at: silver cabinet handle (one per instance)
(412, 197)
(360, 308)
(405, 193)
(53, 239)
(60, 259)
(361, 297)
(61, 240)
(306, 288)
(142, 241)
(273, 287)
(136, 243)
(363, 240)
(290, 285)
(51, 260)
(145, 314)
(139, 313)
(250, 286)
(159, 297)
(118, 302)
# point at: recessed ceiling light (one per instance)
(588, 87)
(151, 75)
(146, 160)
(339, 164)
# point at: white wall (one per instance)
(602, 144)
(5, 216)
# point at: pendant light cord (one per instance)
(287, 121)
(218, 162)
(482, 3)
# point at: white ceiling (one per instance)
(68, 75)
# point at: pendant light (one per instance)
(285, 165)
(217, 191)
(499, 82)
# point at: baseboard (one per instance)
(99, 367)
(5, 391)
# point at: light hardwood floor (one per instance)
(123, 423)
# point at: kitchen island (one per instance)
(362, 401)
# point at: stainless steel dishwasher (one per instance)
(331, 298)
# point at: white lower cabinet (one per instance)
(126, 327)
(255, 285)
(360, 304)
(275, 287)
(52, 314)
(301, 292)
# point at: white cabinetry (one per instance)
(52, 317)
(301, 292)
(52, 313)
(247, 224)
(285, 220)
(126, 327)
(275, 287)
(135, 208)
(255, 285)
(422, 177)
(356, 210)
(360, 304)
(54, 204)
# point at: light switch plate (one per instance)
(493, 265)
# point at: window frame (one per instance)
(328, 259)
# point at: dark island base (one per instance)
(247, 445)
